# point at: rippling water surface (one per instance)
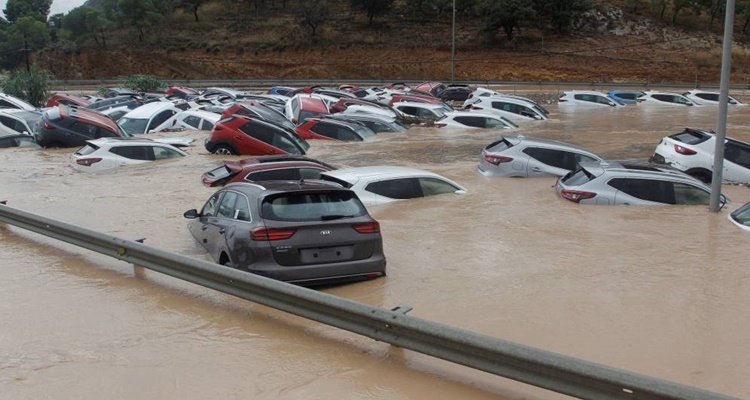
(662, 291)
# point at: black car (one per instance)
(8, 139)
(306, 232)
(455, 93)
(375, 122)
(69, 126)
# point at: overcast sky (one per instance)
(58, 6)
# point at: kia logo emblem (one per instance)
(325, 232)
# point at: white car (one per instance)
(108, 153)
(148, 118)
(514, 109)
(21, 121)
(365, 109)
(654, 98)
(191, 120)
(587, 98)
(384, 184)
(474, 120)
(484, 92)
(8, 101)
(692, 151)
(420, 110)
(741, 217)
(704, 97)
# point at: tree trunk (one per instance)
(195, 13)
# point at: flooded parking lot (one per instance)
(661, 291)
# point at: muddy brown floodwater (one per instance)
(662, 291)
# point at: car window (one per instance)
(645, 189)
(207, 125)
(209, 209)
(663, 97)
(242, 209)
(628, 96)
(101, 133)
(433, 186)
(477, 122)
(403, 188)
(555, 158)
(343, 133)
(84, 129)
(316, 206)
(310, 173)
(226, 206)
(163, 153)
(6, 104)
(708, 96)
(133, 152)
(269, 136)
(688, 194)
(160, 118)
(193, 121)
(737, 153)
(280, 174)
(491, 123)
(325, 129)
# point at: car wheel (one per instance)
(224, 150)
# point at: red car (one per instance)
(66, 99)
(181, 92)
(333, 129)
(253, 137)
(431, 88)
(266, 168)
(344, 103)
(419, 98)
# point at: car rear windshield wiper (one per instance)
(335, 216)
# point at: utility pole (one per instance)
(721, 124)
(453, 45)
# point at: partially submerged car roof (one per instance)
(273, 187)
(89, 116)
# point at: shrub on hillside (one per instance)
(32, 85)
(143, 83)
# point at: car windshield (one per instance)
(273, 116)
(133, 125)
(29, 116)
(312, 206)
(742, 215)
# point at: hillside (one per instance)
(607, 46)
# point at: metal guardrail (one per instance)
(265, 83)
(559, 373)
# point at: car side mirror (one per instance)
(723, 200)
(191, 214)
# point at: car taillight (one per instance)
(576, 195)
(440, 125)
(496, 160)
(86, 162)
(368, 227)
(684, 150)
(46, 125)
(271, 233)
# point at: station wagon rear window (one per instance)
(499, 145)
(315, 206)
(689, 136)
(577, 177)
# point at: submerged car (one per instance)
(512, 108)
(333, 129)
(299, 232)
(420, 110)
(635, 183)
(148, 118)
(66, 99)
(473, 120)
(523, 157)
(109, 153)
(384, 184)
(67, 126)
(253, 137)
(266, 168)
(653, 98)
(9, 138)
(705, 97)
(741, 217)
(8, 101)
(692, 151)
(376, 123)
(625, 96)
(21, 121)
(589, 98)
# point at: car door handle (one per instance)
(204, 227)
(536, 169)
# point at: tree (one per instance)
(660, 6)
(96, 24)
(137, 13)
(32, 86)
(38, 9)
(74, 22)
(193, 5)
(743, 10)
(561, 13)
(312, 14)
(143, 83)
(372, 7)
(678, 6)
(505, 14)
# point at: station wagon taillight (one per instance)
(576, 195)
(87, 162)
(271, 233)
(496, 160)
(368, 227)
(684, 150)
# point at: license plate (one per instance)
(326, 254)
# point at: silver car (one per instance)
(528, 157)
(639, 183)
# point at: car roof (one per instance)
(639, 168)
(88, 116)
(203, 114)
(382, 171)
(593, 92)
(548, 142)
(460, 113)
(274, 159)
(274, 187)
(431, 106)
(148, 109)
